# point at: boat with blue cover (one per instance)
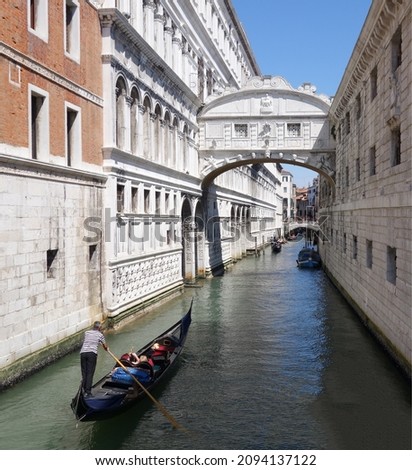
(133, 375)
(308, 258)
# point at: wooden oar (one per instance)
(158, 404)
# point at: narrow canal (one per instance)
(275, 359)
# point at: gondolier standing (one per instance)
(88, 355)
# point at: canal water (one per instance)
(275, 359)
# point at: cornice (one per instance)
(28, 167)
(376, 27)
(111, 17)
(34, 66)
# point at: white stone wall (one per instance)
(372, 211)
(43, 208)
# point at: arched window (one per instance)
(120, 113)
(134, 112)
(166, 140)
(174, 143)
(157, 135)
(185, 144)
(146, 127)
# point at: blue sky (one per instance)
(303, 41)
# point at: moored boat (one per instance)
(308, 258)
(133, 375)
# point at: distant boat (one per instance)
(276, 246)
(117, 390)
(308, 258)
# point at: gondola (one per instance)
(308, 258)
(119, 389)
(276, 246)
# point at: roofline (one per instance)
(242, 36)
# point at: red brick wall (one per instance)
(86, 74)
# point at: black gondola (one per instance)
(276, 246)
(118, 389)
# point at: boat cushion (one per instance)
(121, 376)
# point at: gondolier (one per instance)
(127, 383)
(88, 355)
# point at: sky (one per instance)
(303, 41)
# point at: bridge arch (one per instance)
(266, 121)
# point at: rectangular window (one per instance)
(147, 201)
(158, 202)
(293, 130)
(72, 28)
(396, 146)
(347, 123)
(73, 136)
(51, 260)
(39, 124)
(355, 247)
(134, 200)
(374, 83)
(347, 176)
(372, 161)
(391, 265)
(369, 254)
(357, 169)
(93, 256)
(358, 107)
(396, 44)
(120, 198)
(167, 203)
(38, 18)
(241, 130)
(344, 243)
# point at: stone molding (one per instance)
(23, 167)
(37, 68)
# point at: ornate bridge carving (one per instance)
(267, 121)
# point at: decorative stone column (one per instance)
(137, 15)
(149, 9)
(159, 21)
(168, 35)
(189, 251)
(177, 52)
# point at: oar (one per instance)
(158, 404)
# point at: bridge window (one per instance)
(241, 130)
(293, 130)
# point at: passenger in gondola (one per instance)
(134, 359)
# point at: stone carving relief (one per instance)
(266, 104)
(143, 277)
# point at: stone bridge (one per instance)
(309, 225)
(266, 121)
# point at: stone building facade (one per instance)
(50, 178)
(367, 240)
(100, 189)
(161, 61)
